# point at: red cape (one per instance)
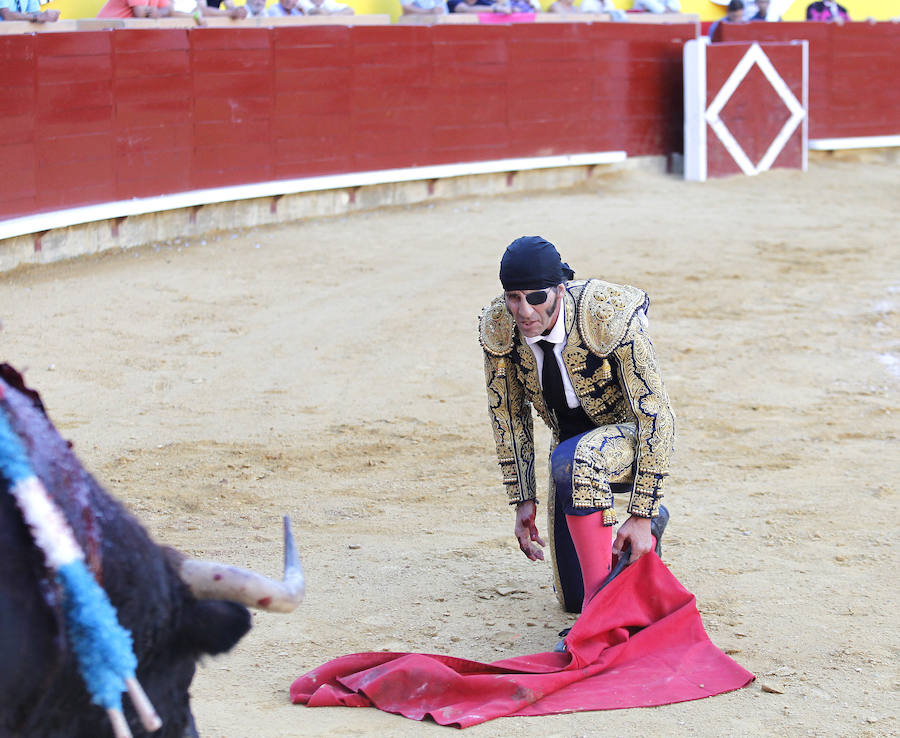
(638, 643)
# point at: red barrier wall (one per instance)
(852, 88)
(92, 117)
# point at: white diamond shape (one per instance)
(755, 55)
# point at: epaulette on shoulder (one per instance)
(604, 312)
(575, 286)
(496, 328)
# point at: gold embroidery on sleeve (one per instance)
(508, 406)
(646, 395)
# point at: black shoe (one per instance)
(658, 527)
(560, 647)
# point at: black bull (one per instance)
(41, 692)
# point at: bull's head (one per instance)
(201, 610)
(176, 609)
(216, 586)
(213, 618)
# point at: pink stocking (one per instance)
(593, 544)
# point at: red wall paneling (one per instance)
(153, 121)
(228, 66)
(75, 143)
(132, 113)
(754, 113)
(391, 115)
(852, 91)
(18, 176)
(311, 107)
(749, 125)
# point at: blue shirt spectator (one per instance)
(475, 6)
(735, 14)
(424, 7)
(26, 10)
(762, 11)
(21, 6)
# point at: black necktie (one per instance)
(551, 380)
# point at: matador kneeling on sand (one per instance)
(604, 401)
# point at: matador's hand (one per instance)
(634, 531)
(527, 532)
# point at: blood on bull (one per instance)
(173, 610)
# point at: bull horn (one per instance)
(211, 580)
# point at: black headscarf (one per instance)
(532, 263)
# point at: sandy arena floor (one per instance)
(330, 370)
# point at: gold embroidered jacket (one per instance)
(613, 368)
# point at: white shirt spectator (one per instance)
(256, 8)
(596, 6)
(327, 7)
(603, 6)
(277, 10)
(658, 6)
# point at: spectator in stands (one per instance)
(494, 6)
(827, 10)
(762, 11)
(324, 7)
(199, 9)
(256, 8)
(522, 6)
(26, 10)
(424, 7)
(252, 8)
(734, 14)
(593, 6)
(657, 6)
(136, 9)
(282, 8)
(475, 6)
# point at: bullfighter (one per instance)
(579, 352)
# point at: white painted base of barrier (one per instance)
(861, 142)
(140, 206)
(80, 232)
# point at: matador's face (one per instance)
(534, 311)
